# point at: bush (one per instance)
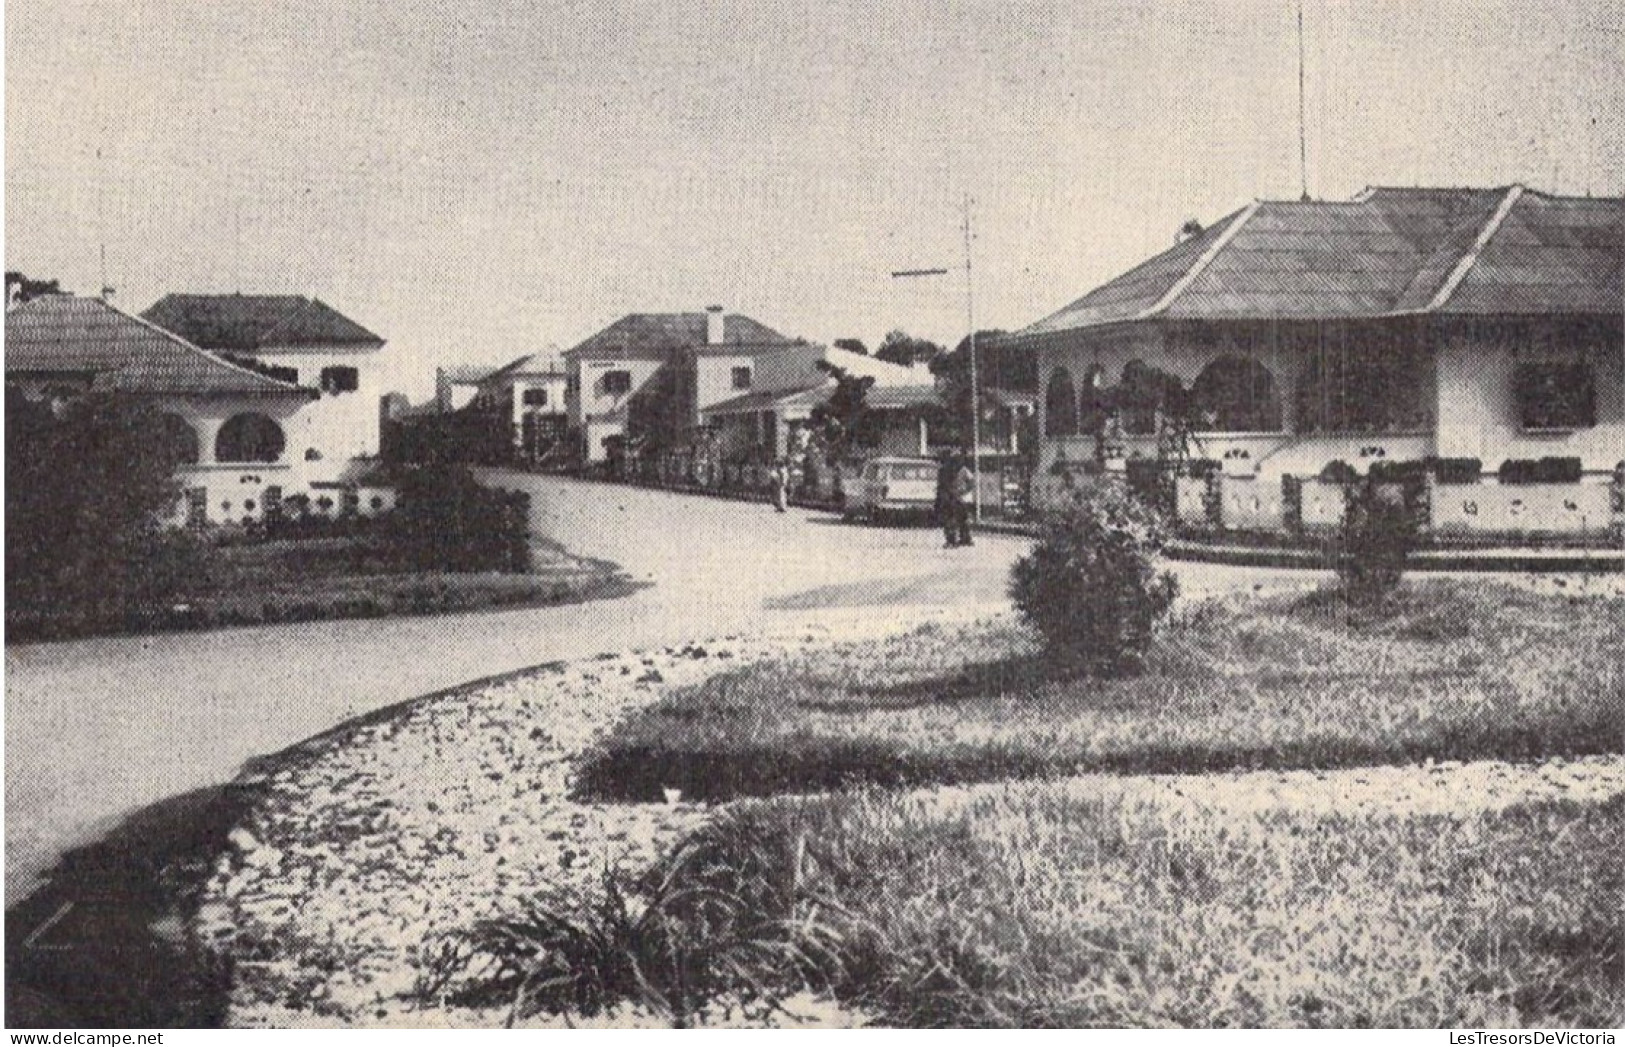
(1090, 586)
(1369, 552)
(87, 492)
(446, 521)
(1541, 471)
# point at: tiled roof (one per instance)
(248, 323)
(1387, 251)
(534, 364)
(1549, 254)
(656, 334)
(117, 352)
(465, 374)
(775, 399)
(901, 397)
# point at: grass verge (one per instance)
(317, 579)
(1447, 670)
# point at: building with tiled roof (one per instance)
(243, 426)
(667, 367)
(1481, 325)
(793, 382)
(526, 399)
(308, 342)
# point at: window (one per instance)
(535, 397)
(617, 383)
(1363, 381)
(1555, 396)
(1061, 405)
(1236, 395)
(340, 380)
(249, 438)
(741, 377)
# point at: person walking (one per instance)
(780, 479)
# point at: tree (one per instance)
(900, 347)
(88, 491)
(839, 420)
(27, 289)
(952, 371)
(852, 345)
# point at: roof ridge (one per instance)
(198, 349)
(1468, 260)
(1202, 261)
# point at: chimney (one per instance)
(713, 325)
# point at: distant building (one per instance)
(791, 383)
(457, 385)
(527, 398)
(665, 368)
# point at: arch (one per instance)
(249, 437)
(180, 440)
(1236, 394)
(1060, 404)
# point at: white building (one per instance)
(247, 439)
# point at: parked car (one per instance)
(892, 487)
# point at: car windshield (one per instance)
(910, 472)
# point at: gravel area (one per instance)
(376, 840)
(1442, 788)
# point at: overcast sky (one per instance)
(476, 180)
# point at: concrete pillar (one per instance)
(208, 430)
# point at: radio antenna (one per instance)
(1303, 135)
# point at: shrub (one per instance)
(446, 521)
(1369, 552)
(1152, 481)
(1457, 470)
(716, 919)
(1090, 586)
(87, 493)
(1541, 471)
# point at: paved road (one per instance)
(98, 728)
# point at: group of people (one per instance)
(956, 491)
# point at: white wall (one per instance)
(1478, 410)
(338, 426)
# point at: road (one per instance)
(98, 728)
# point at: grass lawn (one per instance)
(1451, 670)
(1033, 908)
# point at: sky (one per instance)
(479, 180)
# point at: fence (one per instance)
(1589, 513)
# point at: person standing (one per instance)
(781, 485)
(945, 501)
(964, 493)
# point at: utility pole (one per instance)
(975, 389)
(975, 386)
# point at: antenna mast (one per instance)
(1303, 138)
